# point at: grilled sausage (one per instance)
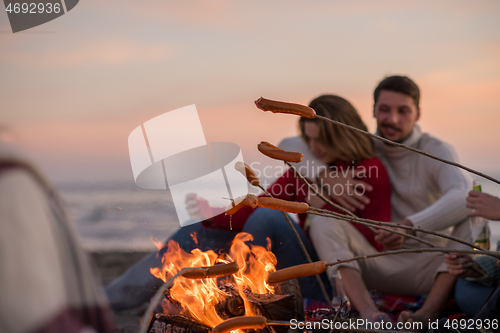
(284, 107)
(297, 271)
(245, 322)
(212, 271)
(277, 153)
(247, 172)
(283, 205)
(248, 200)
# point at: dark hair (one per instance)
(400, 84)
(348, 145)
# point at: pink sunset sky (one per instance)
(73, 89)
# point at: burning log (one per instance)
(162, 323)
(272, 306)
(287, 303)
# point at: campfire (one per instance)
(198, 305)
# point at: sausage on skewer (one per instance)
(278, 154)
(285, 107)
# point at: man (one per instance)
(425, 193)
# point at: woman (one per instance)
(339, 148)
(343, 151)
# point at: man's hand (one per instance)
(345, 189)
(392, 241)
(312, 199)
(484, 205)
(461, 265)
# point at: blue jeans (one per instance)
(264, 223)
(470, 296)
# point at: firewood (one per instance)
(271, 306)
(163, 323)
(287, 303)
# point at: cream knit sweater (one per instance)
(427, 192)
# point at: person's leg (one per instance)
(137, 284)
(470, 296)
(335, 239)
(437, 298)
(443, 284)
(270, 223)
(491, 309)
(358, 294)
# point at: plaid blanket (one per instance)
(393, 305)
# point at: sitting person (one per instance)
(478, 276)
(425, 193)
(332, 146)
(343, 151)
(47, 282)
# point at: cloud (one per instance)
(106, 53)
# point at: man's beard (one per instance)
(390, 127)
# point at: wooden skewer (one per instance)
(319, 267)
(354, 219)
(395, 225)
(397, 144)
(321, 196)
(381, 228)
(437, 249)
(304, 251)
(254, 180)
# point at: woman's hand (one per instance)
(484, 205)
(461, 265)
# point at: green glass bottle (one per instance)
(483, 239)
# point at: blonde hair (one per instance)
(346, 144)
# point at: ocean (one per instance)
(119, 216)
(122, 216)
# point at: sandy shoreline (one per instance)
(113, 263)
(110, 265)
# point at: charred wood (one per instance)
(163, 323)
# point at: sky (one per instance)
(73, 89)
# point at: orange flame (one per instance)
(194, 236)
(158, 245)
(200, 296)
